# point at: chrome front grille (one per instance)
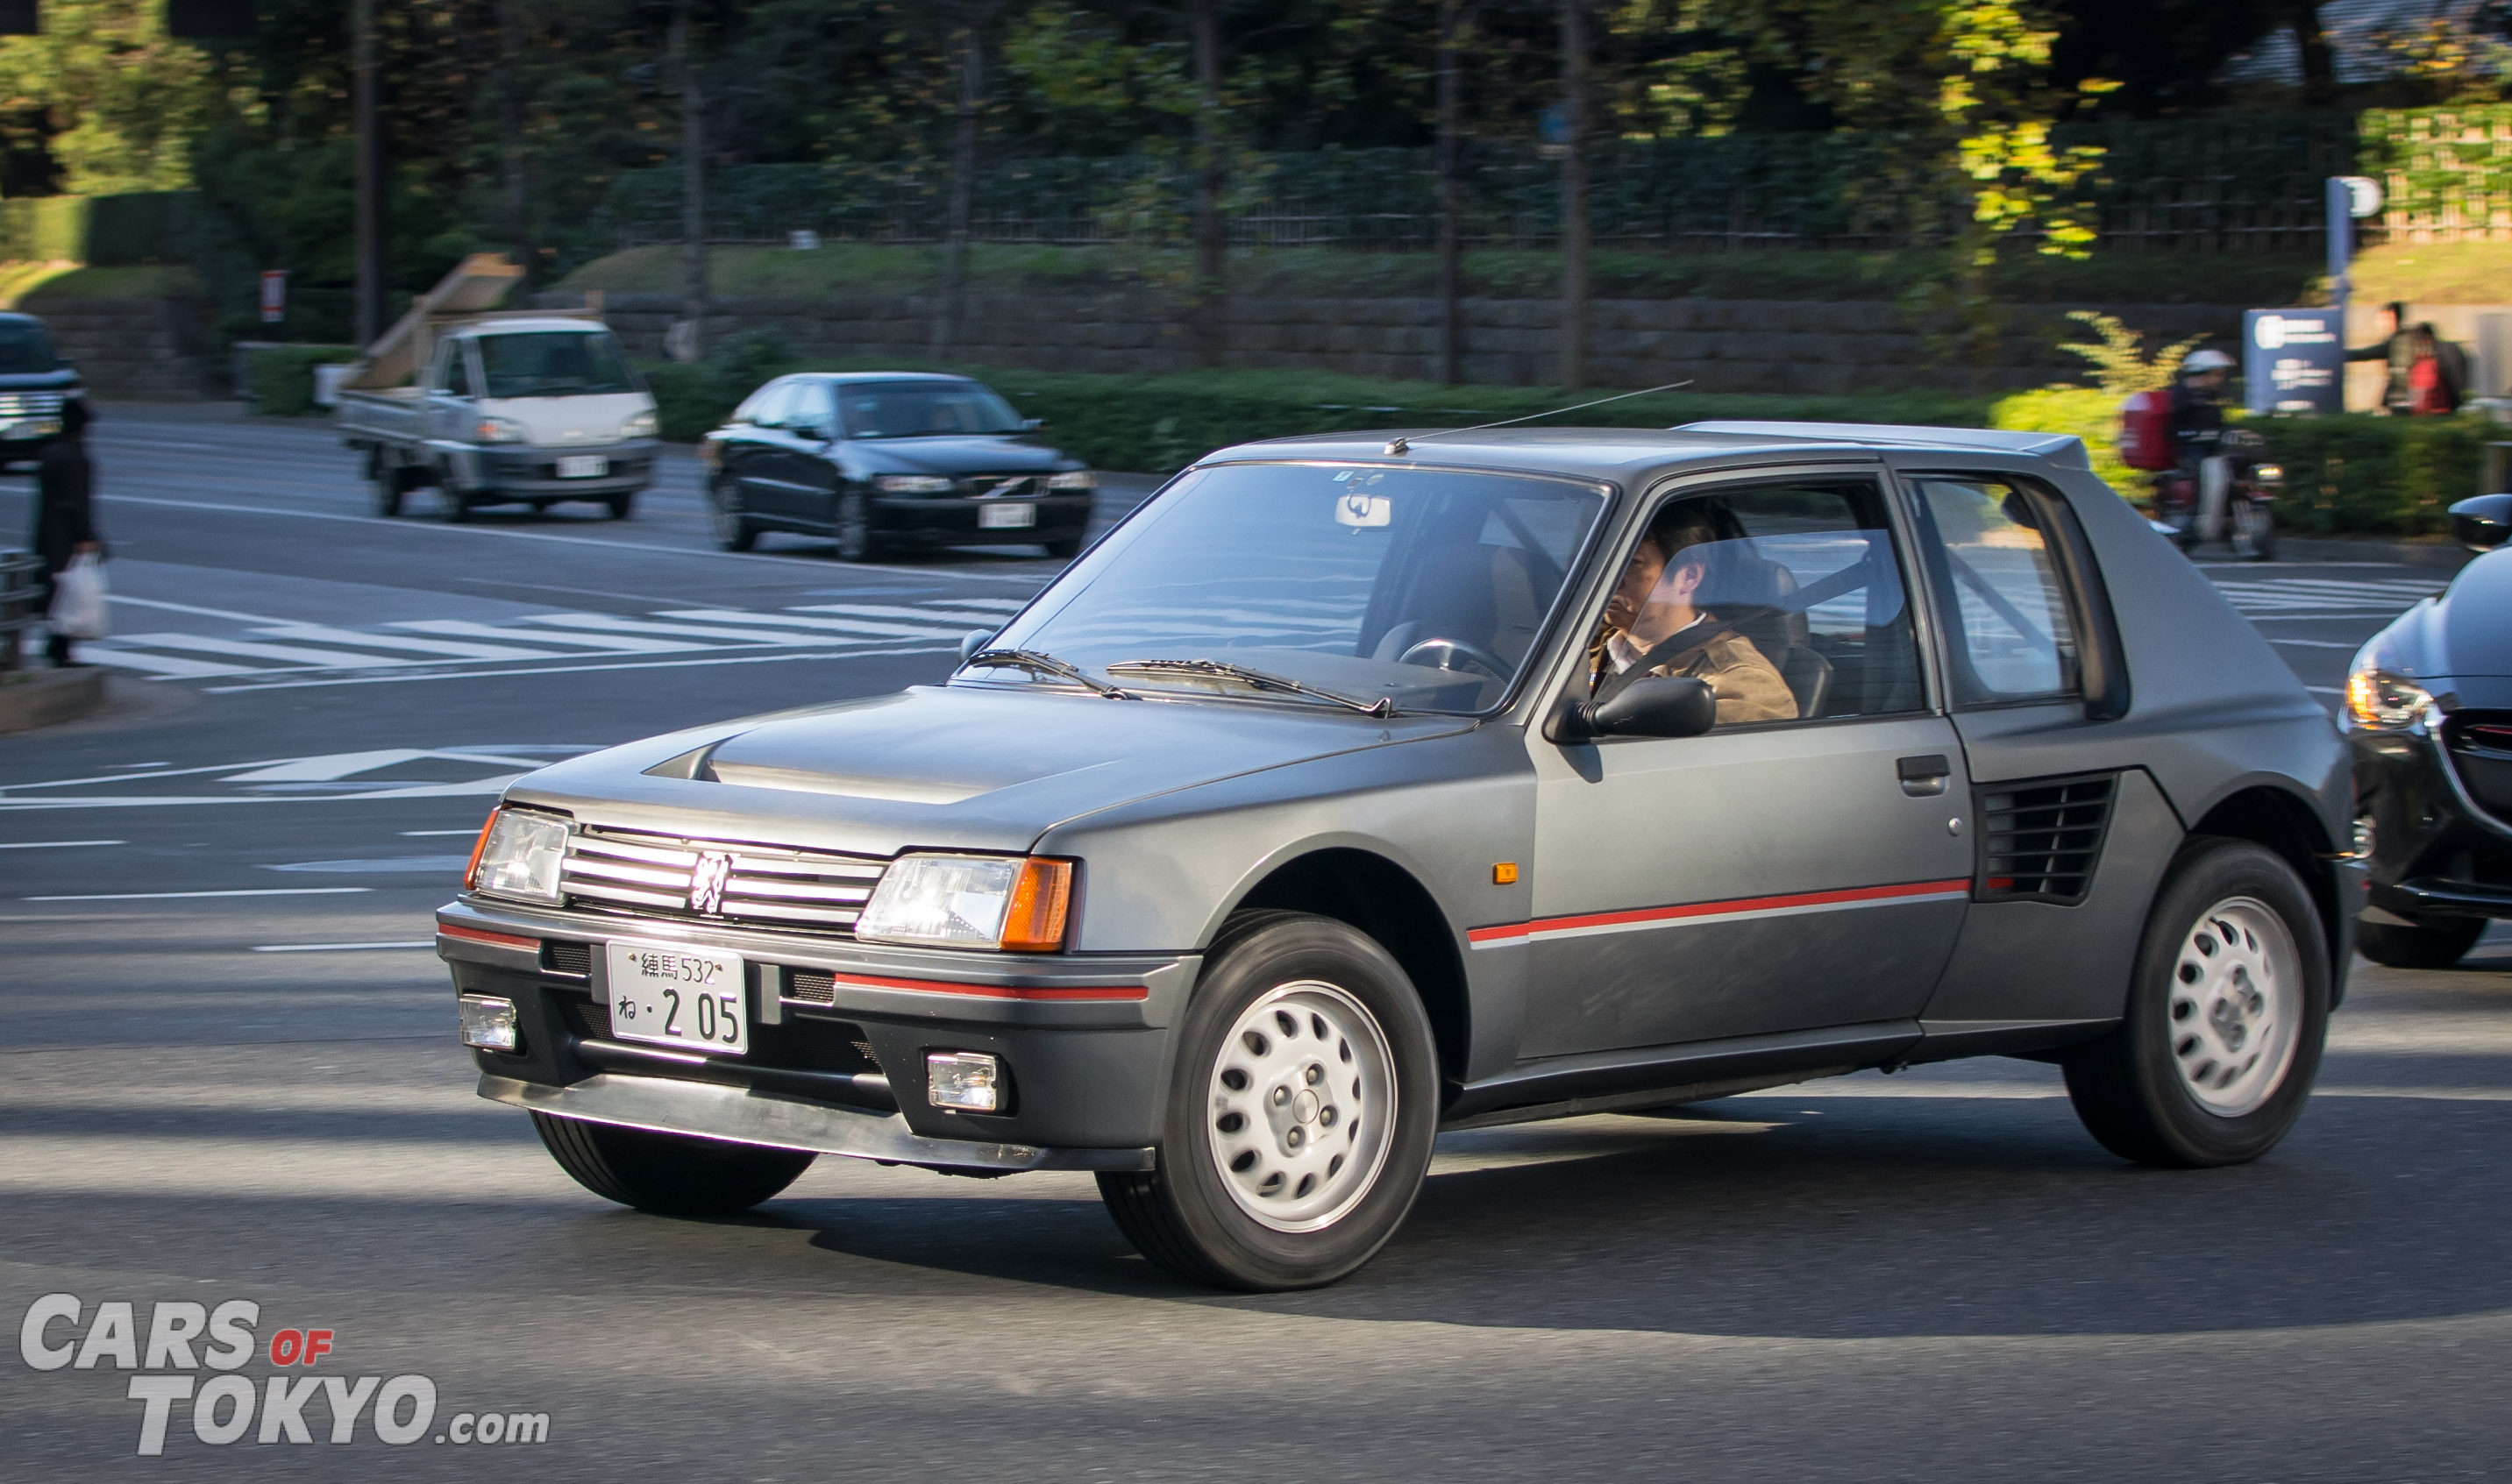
(1001, 487)
(14, 404)
(717, 881)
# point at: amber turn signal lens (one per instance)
(471, 872)
(1040, 898)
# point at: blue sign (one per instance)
(2294, 360)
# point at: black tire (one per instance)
(2437, 943)
(1184, 1215)
(623, 506)
(668, 1174)
(850, 520)
(387, 490)
(1065, 549)
(2257, 529)
(453, 506)
(732, 529)
(2131, 1087)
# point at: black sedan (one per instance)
(2429, 711)
(885, 460)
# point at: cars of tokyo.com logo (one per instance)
(180, 1339)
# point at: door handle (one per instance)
(1924, 777)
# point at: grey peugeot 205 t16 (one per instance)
(1362, 785)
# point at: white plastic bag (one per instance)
(78, 600)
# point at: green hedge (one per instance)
(2367, 472)
(281, 377)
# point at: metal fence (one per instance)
(2214, 184)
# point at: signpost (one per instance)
(274, 295)
(2294, 360)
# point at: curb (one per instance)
(33, 698)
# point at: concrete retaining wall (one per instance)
(144, 350)
(1726, 345)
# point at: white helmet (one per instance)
(2206, 361)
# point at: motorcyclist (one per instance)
(2198, 433)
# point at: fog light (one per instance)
(488, 1022)
(970, 1081)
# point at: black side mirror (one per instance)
(1660, 706)
(2482, 523)
(972, 642)
(1032, 424)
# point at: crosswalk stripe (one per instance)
(617, 644)
(865, 628)
(286, 654)
(443, 649)
(895, 610)
(999, 605)
(608, 624)
(168, 665)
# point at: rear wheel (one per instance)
(1065, 548)
(855, 538)
(623, 506)
(454, 506)
(2437, 943)
(668, 1174)
(2254, 530)
(732, 528)
(1300, 1115)
(2225, 1017)
(386, 482)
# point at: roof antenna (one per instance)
(1399, 445)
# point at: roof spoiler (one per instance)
(2063, 450)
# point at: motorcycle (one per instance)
(2250, 498)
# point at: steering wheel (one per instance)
(1454, 654)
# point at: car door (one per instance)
(448, 408)
(1787, 872)
(804, 464)
(752, 454)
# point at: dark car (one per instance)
(1361, 786)
(2429, 710)
(882, 461)
(41, 397)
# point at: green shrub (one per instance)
(2091, 415)
(282, 377)
(2368, 473)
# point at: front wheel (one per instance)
(2255, 531)
(668, 1174)
(623, 506)
(1300, 1114)
(1065, 549)
(2437, 943)
(856, 541)
(2226, 1016)
(387, 490)
(732, 528)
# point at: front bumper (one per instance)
(527, 471)
(2439, 850)
(952, 520)
(836, 1063)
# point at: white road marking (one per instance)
(2316, 644)
(616, 644)
(420, 834)
(389, 865)
(718, 659)
(65, 844)
(330, 767)
(291, 654)
(900, 611)
(612, 624)
(440, 648)
(166, 896)
(864, 626)
(331, 948)
(185, 607)
(171, 666)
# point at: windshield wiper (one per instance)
(1038, 662)
(1214, 669)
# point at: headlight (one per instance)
(1078, 479)
(2269, 473)
(912, 484)
(636, 426)
(970, 901)
(499, 430)
(519, 855)
(2377, 698)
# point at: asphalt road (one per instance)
(227, 1073)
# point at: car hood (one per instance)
(60, 380)
(2458, 646)
(990, 454)
(957, 768)
(557, 422)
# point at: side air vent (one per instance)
(575, 959)
(810, 986)
(2040, 841)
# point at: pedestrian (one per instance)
(2397, 347)
(2437, 371)
(64, 525)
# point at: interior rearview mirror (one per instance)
(972, 642)
(2482, 523)
(1660, 706)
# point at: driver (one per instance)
(1652, 628)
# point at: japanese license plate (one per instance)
(1005, 517)
(583, 466)
(678, 996)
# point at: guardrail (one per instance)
(22, 592)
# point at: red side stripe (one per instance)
(997, 990)
(482, 935)
(1501, 931)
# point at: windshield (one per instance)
(554, 363)
(26, 347)
(924, 409)
(1429, 586)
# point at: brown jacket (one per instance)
(1748, 687)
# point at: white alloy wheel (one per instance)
(1302, 1105)
(2236, 1004)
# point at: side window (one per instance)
(1787, 598)
(765, 407)
(452, 373)
(810, 413)
(2008, 633)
